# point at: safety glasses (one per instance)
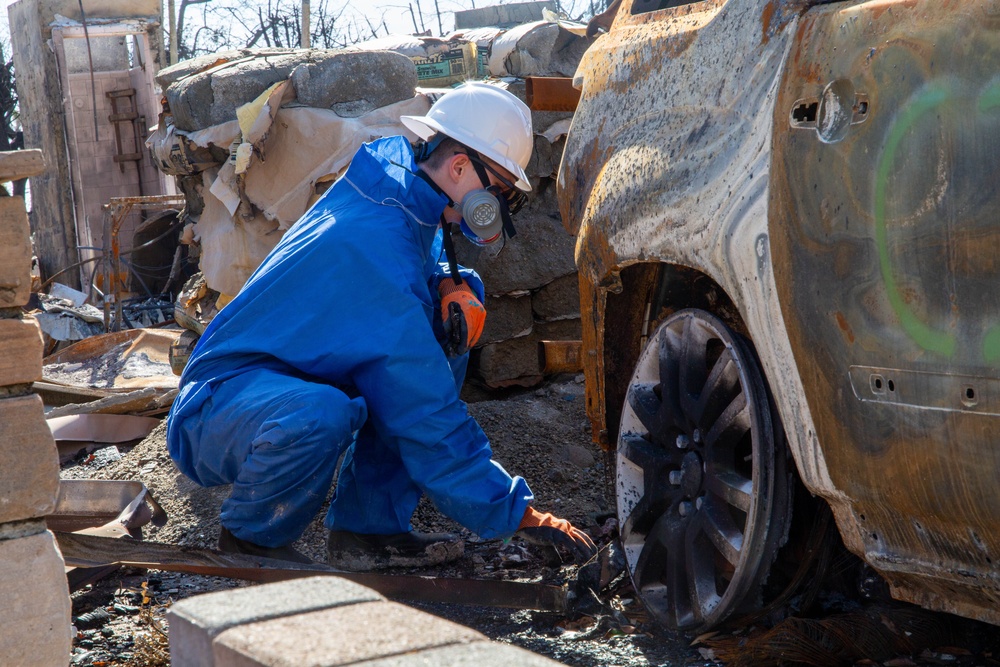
(515, 198)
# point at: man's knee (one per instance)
(313, 414)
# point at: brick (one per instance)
(35, 596)
(29, 484)
(196, 621)
(480, 654)
(15, 253)
(341, 636)
(20, 352)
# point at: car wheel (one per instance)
(702, 490)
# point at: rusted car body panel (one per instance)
(819, 177)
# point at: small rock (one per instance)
(578, 456)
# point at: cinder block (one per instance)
(15, 253)
(29, 484)
(479, 654)
(20, 352)
(341, 636)
(35, 596)
(196, 621)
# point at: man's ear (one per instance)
(457, 166)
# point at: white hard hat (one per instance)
(487, 119)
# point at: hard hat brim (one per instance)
(425, 128)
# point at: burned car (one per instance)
(788, 242)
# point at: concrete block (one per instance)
(33, 590)
(20, 352)
(195, 622)
(15, 253)
(29, 460)
(350, 83)
(515, 362)
(541, 252)
(479, 654)
(506, 317)
(341, 636)
(559, 300)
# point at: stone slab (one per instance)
(349, 82)
(15, 165)
(506, 317)
(34, 594)
(29, 460)
(340, 636)
(479, 654)
(15, 252)
(195, 622)
(559, 300)
(20, 352)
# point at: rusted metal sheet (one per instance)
(551, 93)
(885, 240)
(560, 356)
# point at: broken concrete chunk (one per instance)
(322, 78)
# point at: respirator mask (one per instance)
(486, 213)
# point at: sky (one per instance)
(395, 13)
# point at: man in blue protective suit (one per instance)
(353, 336)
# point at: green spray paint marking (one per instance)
(990, 101)
(930, 339)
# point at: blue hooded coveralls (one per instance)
(332, 344)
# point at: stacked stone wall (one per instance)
(33, 588)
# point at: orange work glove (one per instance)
(546, 529)
(462, 315)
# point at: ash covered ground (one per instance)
(541, 434)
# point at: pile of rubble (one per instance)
(254, 137)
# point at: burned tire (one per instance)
(702, 492)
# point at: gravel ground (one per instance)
(541, 434)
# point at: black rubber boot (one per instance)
(359, 553)
(234, 545)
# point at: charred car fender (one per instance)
(652, 175)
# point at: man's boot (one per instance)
(359, 553)
(234, 545)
